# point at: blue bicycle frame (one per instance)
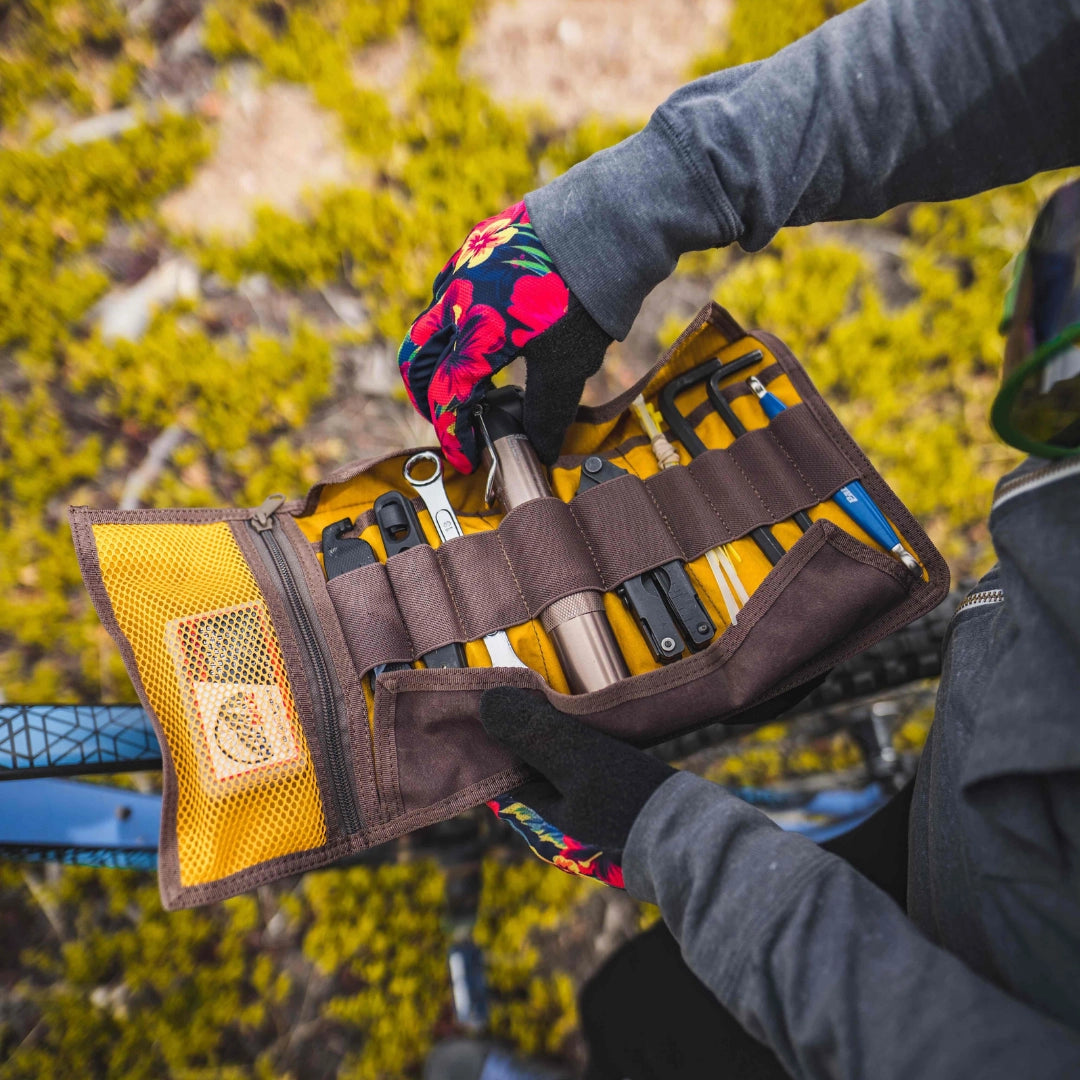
(46, 817)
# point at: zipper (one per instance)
(980, 599)
(1048, 474)
(262, 521)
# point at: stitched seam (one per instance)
(664, 519)
(764, 505)
(524, 603)
(453, 596)
(811, 397)
(712, 506)
(721, 207)
(517, 584)
(394, 800)
(648, 491)
(793, 463)
(401, 617)
(585, 541)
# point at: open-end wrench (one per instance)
(446, 524)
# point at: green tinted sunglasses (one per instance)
(1037, 408)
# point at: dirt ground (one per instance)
(273, 144)
(578, 57)
(572, 57)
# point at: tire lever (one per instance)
(344, 553)
(400, 530)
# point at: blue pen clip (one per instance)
(853, 499)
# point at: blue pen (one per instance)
(854, 499)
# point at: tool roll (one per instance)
(295, 728)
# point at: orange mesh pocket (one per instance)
(211, 664)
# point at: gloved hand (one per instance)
(579, 815)
(500, 296)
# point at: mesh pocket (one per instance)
(211, 664)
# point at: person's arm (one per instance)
(810, 957)
(893, 101)
(814, 960)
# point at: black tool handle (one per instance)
(684, 603)
(680, 427)
(398, 524)
(451, 655)
(727, 414)
(642, 597)
(665, 625)
(344, 553)
(400, 530)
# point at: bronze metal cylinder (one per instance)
(578, 624)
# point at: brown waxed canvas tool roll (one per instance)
(284, 749)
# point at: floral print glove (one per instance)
(498, 297)
(579, 814)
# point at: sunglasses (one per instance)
(1037, 408)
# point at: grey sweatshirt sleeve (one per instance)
(893, 101)
(815, 961)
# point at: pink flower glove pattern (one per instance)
(497, 293)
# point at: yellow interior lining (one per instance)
(535, 648)
(176, 590)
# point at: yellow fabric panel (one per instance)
(212, 667)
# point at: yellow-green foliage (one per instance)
(771, 755)
(355, 956)
(227, 395)
(137, 993)
(51, 49)
(56, 209)
(773, 752)
(757, 30)
(534, 1009)
(895, 320)
(451, 157)
(381, 929)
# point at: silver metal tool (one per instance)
(577, 623)
(432, 491)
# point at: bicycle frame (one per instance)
(46, 816)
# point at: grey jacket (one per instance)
(983, 978)
(894, 101)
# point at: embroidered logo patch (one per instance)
(245, 725)
(235, 692)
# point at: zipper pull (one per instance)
(263, 518)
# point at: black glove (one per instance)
(579, 815)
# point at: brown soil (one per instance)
(577, 57)
(273, 144)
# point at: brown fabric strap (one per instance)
(424, 598)
(547, 550)
(375, 632)
(624, 529)
(480, 577)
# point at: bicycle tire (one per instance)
(906, 656)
